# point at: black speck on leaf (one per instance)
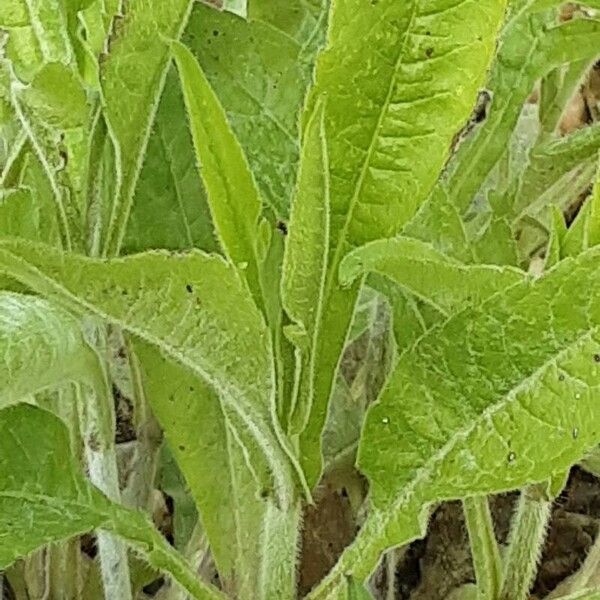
(561, 377)
(182, 448)
(597, 358)
(215, 33)
(189, 288)
(282, 227)
(429, 52)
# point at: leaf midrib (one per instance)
(423, 472)
(341, 238)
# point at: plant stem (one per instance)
(528, 532)
(97, 419)
(149, 437)
(484, 547)
(134, 526)
(197, 553)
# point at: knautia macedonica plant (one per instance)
(208, 210)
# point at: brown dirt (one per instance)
(430, 569)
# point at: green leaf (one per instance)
(42, 347)
(357, 591)
(207, 323)
(237, 7)
(305, 261)
(274, 56)
(132, 79)
(41, 485)
(424, 272)
(54, 112)
(557, 89)
(496, 244)
(231, 192)
(550, 161)
(390, 120)
(170, 209)
(44, 497)
(252, 540)
(530, 47)
(14, 13)
(500, 395)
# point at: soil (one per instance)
(432, 568)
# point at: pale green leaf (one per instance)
(231, 192)
(422, 271)
(13, 13)
(263, 91)
(252, 540)
(357, 591)
(500, 395)
(530, 47)
(556, 90)
(42, 347)
(237, 7)
(56, 97)
(390, 120)
(132, 77)
(206, 322)
(555, 241)
(305, 261)
(44, 497)
(550, 161)
(442, 226)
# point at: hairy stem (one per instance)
(484, 547)
(98, 431)
(161, 555)
(527, 536)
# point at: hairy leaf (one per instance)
(252, 540)
(44, 497)
(207, 322)
(263, 93)
(170, 209)
(132, 78)
(500, 395)
(552, 160)
(530, 47)
(42, 347)
(429, 275)
(305, 261)
(231, 192)
(390, 119)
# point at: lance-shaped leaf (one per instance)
(132, 78)
(195, 308)
(550, 161)
(170, 209)
(44, 498)
(252, 540)
(231, 192)
(274, 57)
(419, 269)
(305, 261)
(530, 47)
(389, 121)
(42, 347)
(500, 395)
